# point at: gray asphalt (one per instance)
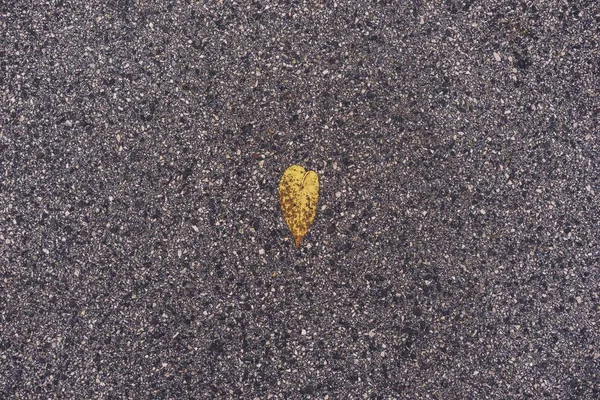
(456, 250)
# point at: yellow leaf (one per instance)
(298, 197)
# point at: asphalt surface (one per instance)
(456, 250)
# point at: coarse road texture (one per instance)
(455, 253)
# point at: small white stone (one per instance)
(578, 299)
(195, 228)
(338, 194)
(372, 333)
(261, 252)
(303, 332)
(497, 56)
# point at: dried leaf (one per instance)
(298, 197)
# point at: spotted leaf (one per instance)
(298, 197)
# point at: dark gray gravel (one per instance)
(456, 250)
